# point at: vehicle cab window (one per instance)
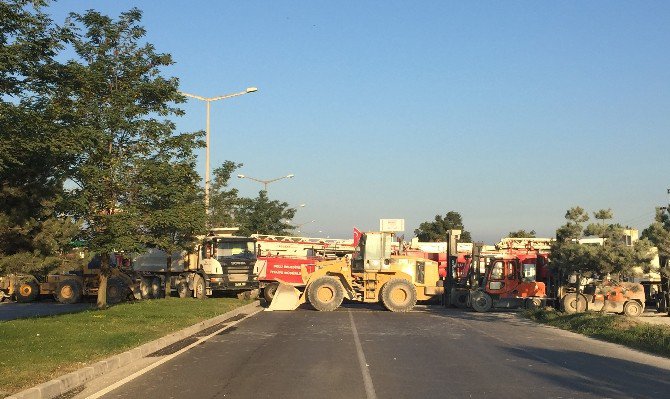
(497, 270)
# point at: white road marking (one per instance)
(165, 359)
(367, 380)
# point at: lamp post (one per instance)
(209, 100)
(265, 182)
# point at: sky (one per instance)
(506, 112)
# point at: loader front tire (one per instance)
(481, 301)
(28, 291)
(269, 292)
(69, 291)
(398, 295)
(574, 303)
(325, 293)
(117, 291)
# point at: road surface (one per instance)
(14, 310)
(365, 352)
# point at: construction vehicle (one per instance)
(19, 286)
(374, 275)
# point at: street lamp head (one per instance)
(251, 89)
(290, 176)
(241, 176)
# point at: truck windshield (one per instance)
(237, 249)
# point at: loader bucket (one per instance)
(287, 297)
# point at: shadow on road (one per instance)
(600, 374)
(43, 308)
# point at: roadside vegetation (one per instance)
(37, 349)
(609, 327)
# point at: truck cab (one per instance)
(228, 262)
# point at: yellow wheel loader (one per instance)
(374, 276)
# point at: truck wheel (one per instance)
(69, 291)
(573, 303)
(325, 293)
(533, 303)
(145, 288)
(117, 291)
(398, 295)
(632, 309)
(481, 301)
(155, 288)
(28, 291)
(269, 292)
(183, 290)
(199, 287)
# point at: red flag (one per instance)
(357, 236)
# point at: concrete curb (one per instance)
(68, 382)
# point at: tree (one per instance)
(659, 234)
(614, 256)
(260, 215)
(521, 234)
(437, 230)
(223, 202)
(35, 152)
(113, 97)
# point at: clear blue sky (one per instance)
(507, 112)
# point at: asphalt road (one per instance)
(365, 352)
(14, 310)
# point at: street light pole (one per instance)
(266, 182)
(208, 101)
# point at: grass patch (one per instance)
(36, 350)
(610, 327)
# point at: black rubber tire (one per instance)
(533, 303)
(145, 288)
(269, 292)
(572, 303)
(68, 291)
(325, 293)
(398, 295)
(633, 309)
(28, 291)
(183, 291)
(117, 291)
(199, 287)
(155, 291)
(481, 301)
(460, 298)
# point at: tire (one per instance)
(398, 295)
(199, 287)
(28, 291)
(117, 291)
(325, 293)
(573, 303)
(269, 292)
(145, 288)
(459, 298)
(533, 303)
(68, 291)
(183, 291)
(155, 288)
(633, 309)
(481, 301)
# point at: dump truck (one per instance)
(373, 275)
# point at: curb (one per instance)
(68, 382)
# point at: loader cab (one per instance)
(374, 252)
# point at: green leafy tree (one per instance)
(436, 231)
(614, 256)
(261, 215)
(521, 234)
(223, 201)
(114, 96)
(659, 234)
(35, 152)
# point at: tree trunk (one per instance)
(168, 276)
(102, 287)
